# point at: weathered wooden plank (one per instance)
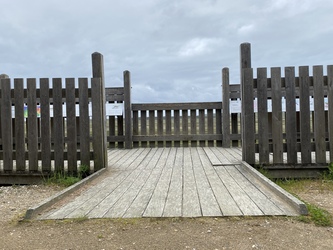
(168, 126)
(214, 160)
(226, 108)
(176, 137)
(160, 128)
(173, 203)
(291, 124)
(120, 129)
(193, 122)
(135, 127)
(202, 126)
(209, 205)
(176, 124)
(143, 123)
(319, 115)
(112, 130)
(19, 125)
(330, 108)
(84, 122)
(226, 203)
(45, 124)
(191, 204)
(71, 125)
(128, 109)
(156, 204)
(262, 116)
(210, 126)
(32, 125)
(218, 128)
(305, 114)
(175, 106)
(58, 128)
(185, 126)
(248, 143)
(151, 126)
(277, 115)
(6, 125)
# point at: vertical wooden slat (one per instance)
(185, 125)
(277, 135)
(71, 125)
(98, 127)
(152, 126)
(248, 143)
(32, 125)
(210, 125)
(135, 127)
(262, 116)
(218, 126)
(112, 130)
(45, 124)
(291, 125)
(19, 125)
(225, 108)
(330, 108)
(319, 114)
(193, 114)
(128, 110)
(304, 83)
(202, 126)
(120, 128)
(6, 120)
(176, 118)
(58, 129)
(84, 122)
(143, 123)
(160, 126)
(168, 126)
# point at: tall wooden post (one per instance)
(128, 110)
(225, 108)
(248, 153)
(98, 72)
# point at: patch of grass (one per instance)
(318, 216)
(62, 179)
(328, 175)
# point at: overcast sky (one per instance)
(175, 49)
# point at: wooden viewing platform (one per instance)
(176, 182)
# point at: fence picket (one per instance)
(330, 109)
(84, 127)
(19, 125)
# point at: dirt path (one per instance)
(200, 233)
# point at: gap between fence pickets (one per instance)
(298, 205)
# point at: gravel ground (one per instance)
(194, 234)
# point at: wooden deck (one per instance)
(174, 182)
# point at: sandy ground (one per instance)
(199, 233)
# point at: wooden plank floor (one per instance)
(173, 182)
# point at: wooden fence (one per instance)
(59, 137)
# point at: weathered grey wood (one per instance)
(128, 111)
(6, 125)
(177, 137)
(330, 108)
(262, 116)
(160, 129)
(291, 125)
(175, 106)
(71, 126)
(32, 125)
(176, 124)
(97, 124)
(214, 160)
(277, 115)
(319, 114)
(19, 125)
(120, 128)
(305, 114)
(168, 126)
(135, 127)
(226, 108)
(185, 125)
(112, 130)
(143, 121)
(245, 56)
(210, 126)
(248, 117)
(218, 126)
(58, 129)
(191, 203)
(45, 124)
(193, 121)
(151, 126)
(202, 126)
(84, 122)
